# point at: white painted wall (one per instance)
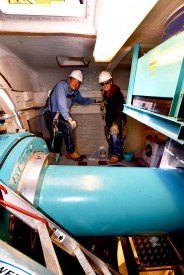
(15, 71)
(15, 75)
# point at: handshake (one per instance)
(73, 123)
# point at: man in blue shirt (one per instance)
(63, 96)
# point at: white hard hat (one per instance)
(77, 74)
(104, 76)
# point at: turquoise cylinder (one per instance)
(113, 201)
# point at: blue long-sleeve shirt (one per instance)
(62, 101)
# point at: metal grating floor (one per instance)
(155, 251)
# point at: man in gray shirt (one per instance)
(63, 96)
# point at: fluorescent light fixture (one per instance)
(73, 61)
(115, 21)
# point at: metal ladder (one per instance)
(50, 233)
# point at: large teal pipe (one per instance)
(112, 201)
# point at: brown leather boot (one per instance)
(74, 156)
(113, 160)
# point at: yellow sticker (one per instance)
(48, 2)
(43, 2)
(154, 60)
(33, 2)
(21, 2)
(46, 163)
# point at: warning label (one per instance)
(48, 1)
(33, 2)
(20, 2)
(10, 269)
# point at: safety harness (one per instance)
(51, 123)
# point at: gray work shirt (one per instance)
(62, 99)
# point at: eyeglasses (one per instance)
(75, 81)
(104, 83)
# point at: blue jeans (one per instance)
(115, 142)
(67, 133)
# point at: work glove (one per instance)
(102, 106)
(114, 129)
(73, 123)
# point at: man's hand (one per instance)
(73, 123)
(102, 106)
(114, 129)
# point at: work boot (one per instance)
(73, 156)
(113, 159)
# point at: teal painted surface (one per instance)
(133, 73)
(111, 201)
(178, 97)
(16, 150)
(103, 201)
(163, 80)
(8, 141)
(168, 126)
(160, 74)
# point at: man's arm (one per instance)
(60, 99)
(83, 100)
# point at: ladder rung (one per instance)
(83, 261)
(48, 250)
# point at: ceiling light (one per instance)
(115, 21)
(73, 61)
